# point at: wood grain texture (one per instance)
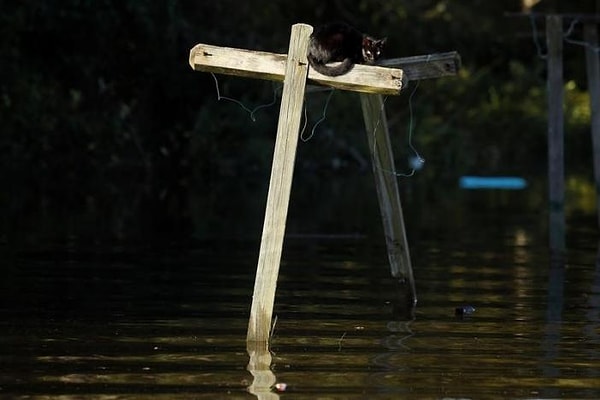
(387, 191)
(271, 66)
(280, 185)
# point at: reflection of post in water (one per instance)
(403, 315)
(260, 368)
(592, 326)
(551, 339)
(394, 343)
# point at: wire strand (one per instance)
(566, 38)
(536, 38)
(241, 105)
(323, 116)
(420, 160)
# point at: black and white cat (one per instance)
(338, 41)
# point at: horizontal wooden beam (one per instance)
(427, 66)
(271, 66)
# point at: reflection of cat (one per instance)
(338, 41)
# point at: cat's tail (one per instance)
(329, 69)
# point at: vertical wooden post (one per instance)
(387, 190)
(280, 185)
(556, 169)
(590, 34)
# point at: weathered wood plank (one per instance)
(239, 62)
(363, 78)
(590, 35)
(280, 185)
(271, 66)
(556, 159)
(426, 66)
(387, 191)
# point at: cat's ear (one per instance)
(367, 42)
(382, 41)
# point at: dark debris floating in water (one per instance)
(464, 310)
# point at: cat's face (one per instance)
(372, 49)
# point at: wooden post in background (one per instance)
(590, 34)
(280, 185)
(387, 191)
(556, 168)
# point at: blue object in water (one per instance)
(492, 182)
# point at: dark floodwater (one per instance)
(111, 323)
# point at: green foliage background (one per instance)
(100, 110)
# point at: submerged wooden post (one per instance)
(556, 169)
(590, 34)
(387, 191)
(280, 185)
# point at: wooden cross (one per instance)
(293, 70)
